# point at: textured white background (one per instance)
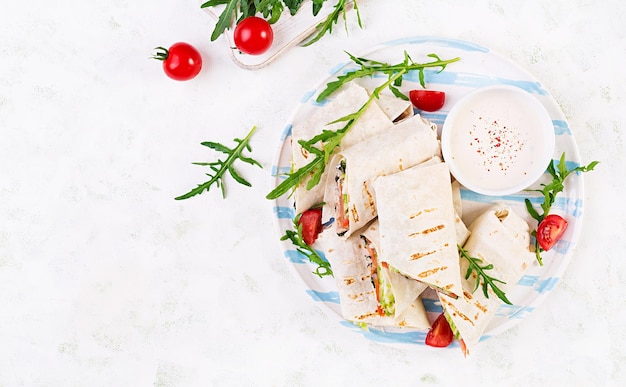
(105, 280)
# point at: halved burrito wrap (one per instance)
(349, 196)
(498, 237)
(347, 101)
(418, 234)
(399, 296)
(369, 292)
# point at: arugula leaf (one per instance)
(550, 191)
(226, 17)
(317, 6)
(487, 281)
(293, 5)
(326, 26)
(323, 266)
(329, 139)
(369, 67)
(220, 167)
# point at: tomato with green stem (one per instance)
(550, 230)
(181, 61)
(253, 35)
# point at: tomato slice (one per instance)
(440, 334)
(550, 230)
(427, 100)
(311, 222)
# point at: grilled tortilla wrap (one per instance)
(499, 237)
(349, 196)
(418, 232)
(369, 292)
(374, 120)
(405, 306)
(395, 108)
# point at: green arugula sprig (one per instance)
(323, 266)
(220, 167)
(482, 277)
(330, 139)
(369, 68)
(271, 10)
(550, 191)
(326, 26)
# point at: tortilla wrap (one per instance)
(349, 197)
(499, 237)
(395, 108)
(418, 235)
(408, 309)
(347, 101)
(357, 275)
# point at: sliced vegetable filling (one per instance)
(341, 212)
(384, 292)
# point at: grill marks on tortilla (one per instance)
(430, 272)
(418, 213)
(451, 308)
(369, 202)
(427, 232)
(423, 254)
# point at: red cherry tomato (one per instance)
(550, 230)
(181, 61)
(440, 334)
(311, 222)
(427, 100)
(253, 35)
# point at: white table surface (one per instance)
(106, 280)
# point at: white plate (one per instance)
(289, 31)
(478, 67)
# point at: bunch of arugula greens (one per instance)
(272, 10)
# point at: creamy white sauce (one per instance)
(496, 141)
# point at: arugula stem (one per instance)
(220, 167)
(488, 281)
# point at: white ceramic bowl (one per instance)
(498, 140)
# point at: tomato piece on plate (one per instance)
(550, 230)
(311, 222)
(440, 334)
(253, 35)
(181, 61)
(427, 100)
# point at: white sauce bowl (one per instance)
(498, 140)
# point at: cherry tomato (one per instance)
(253, 35)
(427, 100)
(440, 334)
(311, 222)
(550, 230)
(181, 61)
